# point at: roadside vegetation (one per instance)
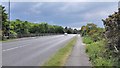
(61, 56)
(103, 44)
(19, 28)
(92, 37)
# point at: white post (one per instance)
(119, 7)
(9, 19)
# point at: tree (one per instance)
(58, 29)
(68, 30)
(96, 33)
(4, 23)
(75, 31)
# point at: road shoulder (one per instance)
(78, 56)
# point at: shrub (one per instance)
(112, 35)
(87, 40)
(13, 34)
(96, 53)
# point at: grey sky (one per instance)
(71, 14)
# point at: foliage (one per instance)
(105, 48)
(96, 51)
(26, 28)
(70, 30)
(13, 34)
(89, 29)
(112, 35)
(87, 40)
(96, 46)
(3, 20)
(96, 33)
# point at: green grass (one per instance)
(61, 56)
(96, 50)
(87, 40)
(7, 40)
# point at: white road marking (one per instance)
(24, 45)
(13, 48)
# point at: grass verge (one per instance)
(87, 40)
(7, 40)
(60, 57)
(96, 50)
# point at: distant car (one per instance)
(65, 34)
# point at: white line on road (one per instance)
(14, 48)
(24, 45)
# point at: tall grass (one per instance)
(96, 50)
(87, 40)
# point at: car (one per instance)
(65, 34)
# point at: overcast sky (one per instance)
(71, 14)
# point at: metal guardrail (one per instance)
(12, 36)
(34, 35)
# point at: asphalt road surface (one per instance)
(33, 51)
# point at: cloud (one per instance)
(34, 9)
(60, 0)
(0, 3)
(73, 14)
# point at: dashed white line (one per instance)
(23, 45)
(13, 48)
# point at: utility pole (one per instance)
(9, 19)
(119, 6)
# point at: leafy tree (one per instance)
(75, 31)
(70, 30)
(93, 31)
(4, 23)
(58, 29)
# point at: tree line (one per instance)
(19, 28)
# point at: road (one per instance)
(32, 51)
(78, 56)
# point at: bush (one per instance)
(95, 51)
(87, 40)
(112, 35)
(95, 37)
(13, 35)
